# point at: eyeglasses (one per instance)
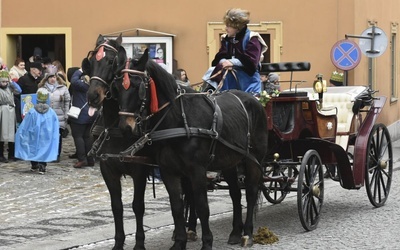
(4, 81)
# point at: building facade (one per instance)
(190, 30)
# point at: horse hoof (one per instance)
(178, 246)
(246, 241)
(139, 248)
(234, 240)
(191, 235)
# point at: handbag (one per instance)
(75, 111)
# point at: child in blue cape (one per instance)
(37, 137)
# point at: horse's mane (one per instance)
(164, 81)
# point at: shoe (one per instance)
(42, 169)
(90, 163)
(3, 159)
(34, 168)
(80, 164)
(73, 156)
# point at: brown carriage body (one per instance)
(334, 128)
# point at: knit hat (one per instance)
(37, 65)
(42, 95)
(236, 18)
(337, 78)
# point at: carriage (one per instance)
(188, 133)
(309, 128)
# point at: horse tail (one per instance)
(259, 202)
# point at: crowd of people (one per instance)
(35, 98)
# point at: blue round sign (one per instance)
(345, 54)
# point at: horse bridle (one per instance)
(145, 82)
(96, 53)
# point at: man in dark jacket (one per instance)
(29, 82)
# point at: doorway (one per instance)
(56, 43)
(52, 46)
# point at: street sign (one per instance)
(345, 54)
(374, 43)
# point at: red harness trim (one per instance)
(153, 97)
(100, 53)
(126, 81)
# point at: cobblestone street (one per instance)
(69, 208)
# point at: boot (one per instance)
(2, 158)
(11, 147)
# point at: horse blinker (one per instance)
(142, 91)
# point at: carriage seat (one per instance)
(339, 101)
(342, 104)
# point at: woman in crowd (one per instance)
(7, 114)
(18, 70)
(80, 127)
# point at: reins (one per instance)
(225, 72)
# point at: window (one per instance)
(160, 49)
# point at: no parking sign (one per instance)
(345, 54)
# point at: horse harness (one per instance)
(186, 131)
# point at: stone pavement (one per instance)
(69, 208)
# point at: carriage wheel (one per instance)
(310, 190)
(275, 191)
(378, 174)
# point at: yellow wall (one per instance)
(310, 29)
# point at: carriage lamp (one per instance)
(319, 87)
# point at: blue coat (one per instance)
(37, 137)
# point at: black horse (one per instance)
(110, 140)
(191, 133)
